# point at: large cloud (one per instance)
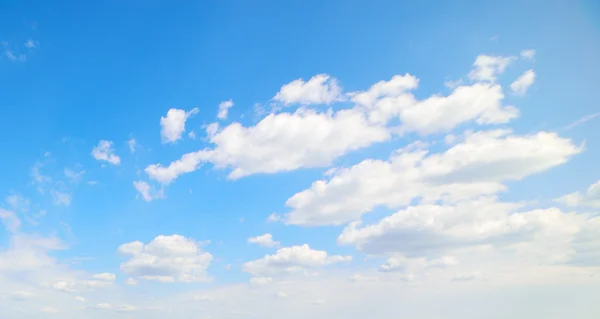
(167, 259)
(315, 138)
(477, 165)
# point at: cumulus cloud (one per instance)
(291, 260)
(173, 125)
(278, 143)
(477, 165)
(487, 68)
(320, 89)
(61, 198)
(523, 82)
(167, 259)
(104, 152)
(589, 198)
(434, 230)
(148, 192)
(309, 138)
(265, 240)
(224, 109)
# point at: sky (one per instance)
(321, 159)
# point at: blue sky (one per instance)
(420, 148)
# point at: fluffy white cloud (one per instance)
(487, 68)
(523, 82)
(434, 230)
(280, 142)
(320, 89)
(291, 260)
(309, 138)
(104, 152)
(79, 298)
(589, 198)
(167, 259)
(224, 109)
(475, 166)
(10, 220)
(173, 125)
(528, 54)
(148, 192)
(265, 240)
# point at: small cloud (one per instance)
(31, 44)
(60, 198)
(148, 192)
(274, 217)
(528, 54)
(132, 145)
(224, 109)
(227, 267)
(581, 121)
(74, 176)
(104, 152)
(453, 84)
(79, 298)
(131, 281)
(523, 82)
(192, 135)
(466, 277)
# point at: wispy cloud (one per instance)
(581, 121)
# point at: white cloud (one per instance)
(192, 135)
(404, 264)
(278, 143)
(260, 281)
(487, 68)
(523, 82)
(132, 145)
(310, 138)
(126, 308)
(265, 240)
(17, 202)
(589, 198)
(61, 198)
(131, 282)
(581, 121)
(320, 89)
(434, 230)
(148, 192)
(167, 259)
(30, 44)
(528, 54)
(10, 220)
(173, 125)
(473, 167)
(79, 298)
(274, 217)
(104, 152)
(74, 176)
(224, 109)
(291, 260)
(467, 277)
(105, 276)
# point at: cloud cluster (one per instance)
(167, 259)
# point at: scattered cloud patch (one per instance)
(173, 125)
(265, 240)
(104, 152)
(523, 82)
(320, 89)
(224, 109)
